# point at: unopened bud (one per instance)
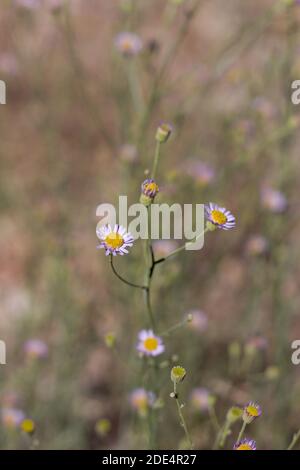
(163, 132)
(178, 374)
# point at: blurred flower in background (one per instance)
(141, 400)
(12, 417)
(201, 172)
(197, 320)
(36, 348)
(128, 44)
(257, 245)
(200, 399)
(273, 200)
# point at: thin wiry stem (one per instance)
(181, 248)
(156, 158)
(242, 431)
(171, 54)
(132, 284)
(181, 418)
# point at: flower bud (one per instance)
(178, 374)
(163, 132)
(110, 339)
(103, 427)
(149, 190)
(234, 414)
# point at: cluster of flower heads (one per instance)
(251, 411)
(114, 241)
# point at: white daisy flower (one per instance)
(114, 241)
(219, 216)
(149, 344)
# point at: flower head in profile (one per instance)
(251, 411)
(219, 216)
(128, 44)
(116, 241)
(149, 188)
(245, 444)
(12, 417)
(141, 400)
(149, 344)
(36, 348)
(273, 200)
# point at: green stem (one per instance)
(214, 419)
(175, 327)
(242, 431)
(134, 86)
(132, 284)
(294, 440)
(156, 158)
(181, 248)
(181, 418)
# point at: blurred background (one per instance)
(78, 129)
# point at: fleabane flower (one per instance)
(141, 400)
(245, 444)
(251, 411)
(12, 417)
(36, 348)
(149, 188)
(200, 399)
(128, 44)
(219, 216)
(149, 344)
(114, 241)
(273, 200)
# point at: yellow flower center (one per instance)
(127, 45)
(151, 187)
(150, 344)
(141, 402)
(114, 240)
(252, 411)
(28, 426)
(218, 217)
(244, 447)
